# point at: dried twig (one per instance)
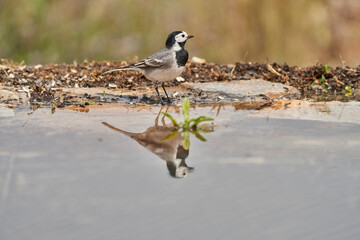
(271, 69)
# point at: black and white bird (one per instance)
(164, 65)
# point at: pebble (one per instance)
(38, 82)
(180, 79)
(112, 85)
(198, 60)
(356, 92)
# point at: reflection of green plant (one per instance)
(188, 126)
(53, 107)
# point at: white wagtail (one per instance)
(166, 64)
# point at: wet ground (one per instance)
(287, 171)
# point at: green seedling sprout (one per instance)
(323, 82)
(326, 68)
(188, 126)
(347, 91)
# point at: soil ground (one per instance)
(45, 85)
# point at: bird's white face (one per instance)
(181, 37)
(176, 40)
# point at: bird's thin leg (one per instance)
(157, 90)
(163, 87)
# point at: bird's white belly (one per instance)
(162, 75)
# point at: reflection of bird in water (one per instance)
(170, 150)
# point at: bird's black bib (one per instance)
(182, 57)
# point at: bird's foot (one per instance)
(161, 101)
(166, 102)
(169, 100)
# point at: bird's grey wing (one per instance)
(158, 59)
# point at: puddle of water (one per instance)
(68, 175)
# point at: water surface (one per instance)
(68, 176)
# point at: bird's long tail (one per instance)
(118, 130)
(118, 69)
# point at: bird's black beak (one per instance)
(190, 36)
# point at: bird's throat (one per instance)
(177, 47)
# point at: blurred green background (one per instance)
(299, 32)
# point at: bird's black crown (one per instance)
(170, 41)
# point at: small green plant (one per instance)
(188, 126)
(322, 79)
(104, 94)
(347, 91)
(323, 83)
(311, 86)
(326, 68)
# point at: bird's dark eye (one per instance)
(183, 35)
